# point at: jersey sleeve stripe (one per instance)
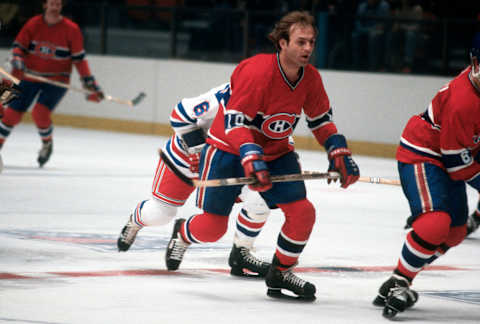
(456, 160)
(182, 113)
(419, 150)
(320, 121)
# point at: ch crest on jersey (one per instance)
(44, 49)
(278, 126)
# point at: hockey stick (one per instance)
(135, 101)
(305, 175)
(9, 76)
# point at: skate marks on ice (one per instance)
(472, 296)
(466, 296)
(66, 243)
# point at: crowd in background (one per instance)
(369, 35)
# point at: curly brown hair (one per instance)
(282, 27)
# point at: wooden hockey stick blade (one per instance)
(139, 98)
(305, 175)
(9, 76)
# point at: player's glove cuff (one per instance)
(334, 142)
(250, 148)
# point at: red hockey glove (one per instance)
(340, 160)
(8, 91)
(90, 84)
(254, 166)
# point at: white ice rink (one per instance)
(59, 263)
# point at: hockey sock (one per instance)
(204, 228)
(247, 229)
(430, 230)
(299, 220)
(10, 119)
(41, 117)
(154, 212)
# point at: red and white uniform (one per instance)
(447, 134)
(51, 50)
(190, 114)
(265, 107)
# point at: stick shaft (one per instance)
(305, 175)
(57, 83)
(9, 76)
(70, 87)
(377, 180)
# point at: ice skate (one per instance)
(473, 222)
(128, 235)
(176, 247)
(241, 259)
(395, 296)
(277, 280)
(45, 152)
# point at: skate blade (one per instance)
(389, 312)
(122, 247)
(379, 301)
(277, 293)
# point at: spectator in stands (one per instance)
(370, 29)
(403, 39)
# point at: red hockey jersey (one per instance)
(50, 50)
(264, 108)
(447, 134)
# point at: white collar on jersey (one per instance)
(290, 84)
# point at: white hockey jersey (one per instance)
(190, 114)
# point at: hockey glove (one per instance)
(90, 84)
(193, 143)
(254, 166)
(18, 66)
(8, 91)
(340, 160)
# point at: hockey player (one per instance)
(249, 137)
(190, 119)
(437, 156)
(47, 45)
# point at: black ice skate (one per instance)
(241, 259)
(395, 296)
(277, 280)
(473, 222)
(128, 235)
(176, 247)
(45, 152)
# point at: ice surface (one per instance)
(59, 264)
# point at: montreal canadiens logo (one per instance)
(44, 49)
(278, 126)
